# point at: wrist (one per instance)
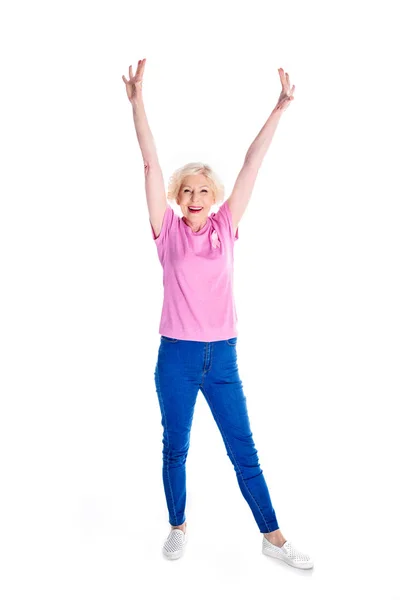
(137, 103)
(276, 112)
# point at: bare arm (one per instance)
(154, 181)
(246, 179)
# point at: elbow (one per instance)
(150, 164)
(252, 162)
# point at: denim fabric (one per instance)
(183, 368)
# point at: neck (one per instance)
(196, 227)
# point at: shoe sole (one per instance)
(287, 560)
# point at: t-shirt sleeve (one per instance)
(161, 241)
(165, 227)
(224, 217)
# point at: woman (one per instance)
(198, 321)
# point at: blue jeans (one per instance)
(183, 368)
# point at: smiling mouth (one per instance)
(195, 210)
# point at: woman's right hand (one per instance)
(134, 85)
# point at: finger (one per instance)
(139, 73)
(285, 86)
(123, 77)
(280, 70)
(284, 81)
(130, 72)
(288, 80)
(292, 90)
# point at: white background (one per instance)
(83, 513)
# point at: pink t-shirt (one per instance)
(198, 277)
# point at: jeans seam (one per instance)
(234, 457)
(169, 446)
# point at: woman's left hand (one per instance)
(286, 95)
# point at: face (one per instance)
(196, 192)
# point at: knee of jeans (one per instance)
(175, 454)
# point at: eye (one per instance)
(204, 191)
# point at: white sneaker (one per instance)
(175, 543)
(288, 553)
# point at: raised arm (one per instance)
(154, 182)
(245, 181)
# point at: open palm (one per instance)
(134, 84)
(286, 95)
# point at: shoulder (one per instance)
(224, 218)
(170, 220)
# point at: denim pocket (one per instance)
(231, 341)
(169, 339)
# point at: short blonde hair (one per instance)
(195, 168)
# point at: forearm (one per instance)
(143, 132)
(260, 145)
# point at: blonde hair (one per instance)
(195, 168)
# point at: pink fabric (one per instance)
(197, 266)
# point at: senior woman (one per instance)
(198, 321)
